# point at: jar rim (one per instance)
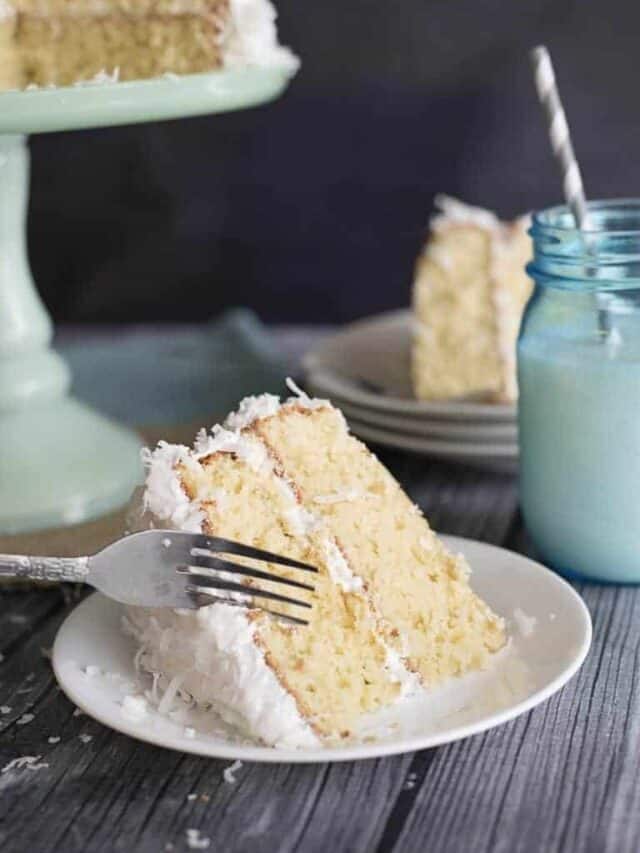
(559, 218)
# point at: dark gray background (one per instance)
(313, 208)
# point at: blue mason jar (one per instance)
(579, 404)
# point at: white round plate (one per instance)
(550, 634)
(368, 364)
(502, 457)
(439, 430)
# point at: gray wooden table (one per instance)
(564, 777)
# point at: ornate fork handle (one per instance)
(56, 569)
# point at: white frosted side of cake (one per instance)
(213, 653)
(251, 38)
(212, 650)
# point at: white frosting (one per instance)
(251, 37)
(221, 440)
(164, 496)
(340, 570)
(6, 10)
(453, 211)
(252, 409)
(346, 496)
(214, 649)
(410, 683)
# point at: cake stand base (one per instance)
(63, 464)
(60, 462)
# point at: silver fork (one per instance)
(168, 568)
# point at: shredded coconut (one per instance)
(252, 409)
(5, 709)
(24, 719)
(411, 781)
(85, 738)
(195, 841)
(230, 771)
(101, 78)
(134, 707)
(30, 762)
(302, 398)
(526, 624)
(345, 496)
(53, 739)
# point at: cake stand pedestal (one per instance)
(62, 463)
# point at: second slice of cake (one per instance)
(392, 609)
(469, 292)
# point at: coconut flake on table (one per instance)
(195, 841)
(25, 719)
(230, 771)
(28, 762)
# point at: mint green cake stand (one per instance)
(62, 463)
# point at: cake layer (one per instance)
(470, 290)
(430, 615)
(61, 42)
(62, 51)
(134, 8)
(10, 70)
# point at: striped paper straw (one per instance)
(559, 135)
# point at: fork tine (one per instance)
(249, 591)
(204, 599)
(213, 543)
(219, 564)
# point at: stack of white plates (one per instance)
(364, 369)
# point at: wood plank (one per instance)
(563, 777)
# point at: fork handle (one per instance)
(56, 569)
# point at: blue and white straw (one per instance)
(545, 81)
